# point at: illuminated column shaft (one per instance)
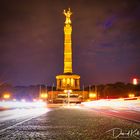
(67, 49)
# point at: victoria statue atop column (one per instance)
(67, 14)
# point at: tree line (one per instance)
(116, 90)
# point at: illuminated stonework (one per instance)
(68, 80)
(67, 43)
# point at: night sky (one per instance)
(105, 40)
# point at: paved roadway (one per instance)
(129, 110)
(63, 123)
(130, 115)
(13, 117)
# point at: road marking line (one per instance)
(2, 130)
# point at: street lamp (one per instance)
(135, 81)
(6, 96)
(43, 95)
(92, 95)
(131, 95)
(68, 92)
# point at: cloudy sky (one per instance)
(105, 40)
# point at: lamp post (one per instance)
(135, 81)
(93, 93)
(68, 94)
(6, 96)
(131, 95)
(43, 95)
(96, 91)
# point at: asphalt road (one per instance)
(129, 110)
(62, 123)
(13, 117)
(130, 115)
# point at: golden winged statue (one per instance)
(67, 14)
